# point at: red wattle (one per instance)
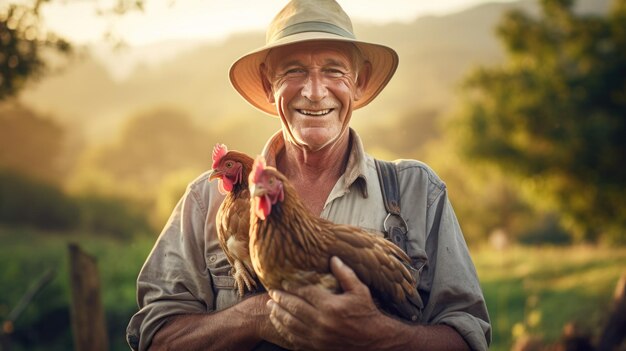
(227, 184)
(262, 207)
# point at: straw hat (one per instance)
(308, 20)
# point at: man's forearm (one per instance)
(397, 335)
(238, 327)
(437, 337)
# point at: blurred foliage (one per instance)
(546, 230)
(153, 144)
(536, 291)
(407, 135)
(45, 323)
(554, 113)
(31, 144)
(170, 191)
(486, 200)
(120, 218)
(28, 50)
(25, 43)
(157, 153)
(145, 161)
(25, 202)
(34, 166)
(120, 7)
(28, 202)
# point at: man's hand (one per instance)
(240, 327)
(312, 318)
(266, 330)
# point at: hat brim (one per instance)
(245, 74)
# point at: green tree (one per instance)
(31, 144)
(147, 161)
(23, 45)
(154, 143)
(151, 146)
(555, 112)
(26, 46)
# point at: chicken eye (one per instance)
(229, 164)
(271, 181)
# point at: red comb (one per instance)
(218, 152)
(257, 169)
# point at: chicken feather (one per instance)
(289, 245)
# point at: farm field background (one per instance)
(529, 290)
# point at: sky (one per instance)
(164, 20)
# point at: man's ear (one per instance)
(363, 79)
(267, 86)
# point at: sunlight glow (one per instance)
(212, 20)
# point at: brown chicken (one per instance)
(233, 217)
(289, 245)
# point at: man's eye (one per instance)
(335, 73)
(295, 72)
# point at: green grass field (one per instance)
(45, 324)
(538, 290)
(528, 290)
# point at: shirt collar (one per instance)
(356, 169)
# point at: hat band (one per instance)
(311, 27)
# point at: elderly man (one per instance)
(312, 73)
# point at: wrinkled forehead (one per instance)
(326, 51)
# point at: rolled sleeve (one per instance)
(174, 279)
(474, 330)
(454, 294)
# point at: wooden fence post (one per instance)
(88, 323)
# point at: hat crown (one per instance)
(300, 16)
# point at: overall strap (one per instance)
(394, 225)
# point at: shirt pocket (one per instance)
(223, 283)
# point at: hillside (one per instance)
(435, 53)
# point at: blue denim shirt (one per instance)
(187, 272)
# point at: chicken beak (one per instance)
(215, 174)
(258, 190)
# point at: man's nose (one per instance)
(314, 88)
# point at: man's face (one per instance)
(313, 86)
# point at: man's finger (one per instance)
(345, 275)
(288, 326)
(313, 294)
(294, 305)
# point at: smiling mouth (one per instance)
(315, 113)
